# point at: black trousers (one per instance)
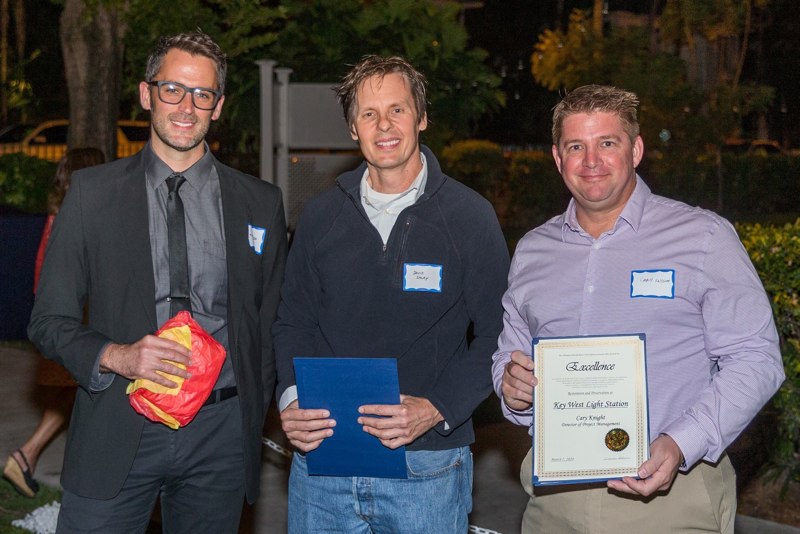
(198, 471)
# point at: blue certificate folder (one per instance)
(341, 385)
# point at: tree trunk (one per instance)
(651, 25)
(92, 44)
(745, 41)
(3, 60)
(694, 75)
(597, 18)
(559, 22)
(19, 21)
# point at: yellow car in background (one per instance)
(48, 140)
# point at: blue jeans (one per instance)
(436, 498)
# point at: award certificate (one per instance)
(590, 420)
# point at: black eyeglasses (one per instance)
(173, 93)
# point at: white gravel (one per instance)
(42, 520)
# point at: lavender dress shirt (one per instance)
(712, 350)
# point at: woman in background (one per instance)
(58, 391)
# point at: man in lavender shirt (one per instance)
(712, 349)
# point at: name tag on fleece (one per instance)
(658, 284)
(422, 277)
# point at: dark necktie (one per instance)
(178, 260)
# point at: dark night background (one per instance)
(508, 30)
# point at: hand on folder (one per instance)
(306, 428)
(399, 424)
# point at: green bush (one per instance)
(478, 164)
(686, 177)
(24, 182)
(537, 192)
(524, 187)
(759, 184)
(743, 187)
(775, 252)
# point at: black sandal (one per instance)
(19, 477)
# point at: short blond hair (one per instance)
(598, 98)
(373, 65)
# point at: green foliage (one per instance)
(775, 252)
(319, 40)
(755, 183)
(722, 24)
(20, 96)
(687, 177)
(669, 105)
(244, 29)
(24, 182)
(713, 19)
(537, 192)
(15, 506)
(476, 163)
(524, 187)
(753, 187)
(567, 59)
(323, 38)
(691, 118)
(729, 105)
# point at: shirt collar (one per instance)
(631, 214)
(157, 171)
(418, 185)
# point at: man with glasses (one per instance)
(137, 240)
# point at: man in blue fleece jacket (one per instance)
(397, 260)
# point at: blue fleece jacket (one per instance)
(343, 295)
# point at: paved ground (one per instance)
(498, 497)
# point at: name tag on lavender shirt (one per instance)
(657, 284)
(422, 277)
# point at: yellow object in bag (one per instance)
(177, 406)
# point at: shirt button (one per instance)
(596, 246)
(590, 289)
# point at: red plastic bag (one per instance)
(176, 407)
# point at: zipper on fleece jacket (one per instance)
(403, 242)
(406, 226)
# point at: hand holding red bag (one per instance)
(177, 406)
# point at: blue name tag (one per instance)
(422, 277)
(255, 237)
(654, 284)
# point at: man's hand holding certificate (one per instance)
(590, 418)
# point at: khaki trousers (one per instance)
(702, 500)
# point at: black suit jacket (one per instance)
(99, 253)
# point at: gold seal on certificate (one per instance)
(590, 420)
(617, 439)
